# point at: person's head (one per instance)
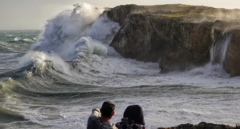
(107, 109)
(135, 113)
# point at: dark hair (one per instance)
(135, 113)
(107, 108)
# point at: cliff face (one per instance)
(231, 63)
(188, 44)
(178, 36)
(135, 32)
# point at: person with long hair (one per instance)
(132, 118)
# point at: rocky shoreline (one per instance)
(179, 37)
(202, 125)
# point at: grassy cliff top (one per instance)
(182, 11)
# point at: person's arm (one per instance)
(95, 113)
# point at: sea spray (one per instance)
(87, 46)
(219, 50)
(72, 35)
(77, 33)
(217, 56)
(103, 29)
(67, 28)
(39, 60)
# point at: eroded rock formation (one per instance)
(179, 37)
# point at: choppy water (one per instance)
(55, 80)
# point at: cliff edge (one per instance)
(179, 37)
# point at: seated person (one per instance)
(132, 118)
(97, 121)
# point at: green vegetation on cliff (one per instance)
(186, 12)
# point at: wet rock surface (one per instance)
(202, 125)
(179, 37)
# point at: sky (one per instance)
(33, 14)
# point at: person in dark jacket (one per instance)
(132, 118)
(100, 118)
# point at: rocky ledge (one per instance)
(202, 125)
(179, 37)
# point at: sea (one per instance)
(53, 78)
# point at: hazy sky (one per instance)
(32, 14)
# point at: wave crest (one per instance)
(39, 60)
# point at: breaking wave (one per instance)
(76, 33)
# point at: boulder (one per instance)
(202, 125)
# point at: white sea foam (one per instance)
(63, 31)
(87, 46)
(28, 40)
(76, 33)
(103, 29)
(17, 39)
(38, 59)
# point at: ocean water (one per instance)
(52, 79)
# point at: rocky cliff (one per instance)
(179, 37)
(202, 125)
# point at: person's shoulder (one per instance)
(113, 125)
(93, 123)
(108, 125)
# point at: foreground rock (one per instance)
(202, 125)
(179, 37)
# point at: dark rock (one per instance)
(133, 39)
(202, 125)
(189, 46)
(179, 37)
(231, 63)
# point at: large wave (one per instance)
(77, 30)
(73, 34)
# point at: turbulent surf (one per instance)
(54, 77)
